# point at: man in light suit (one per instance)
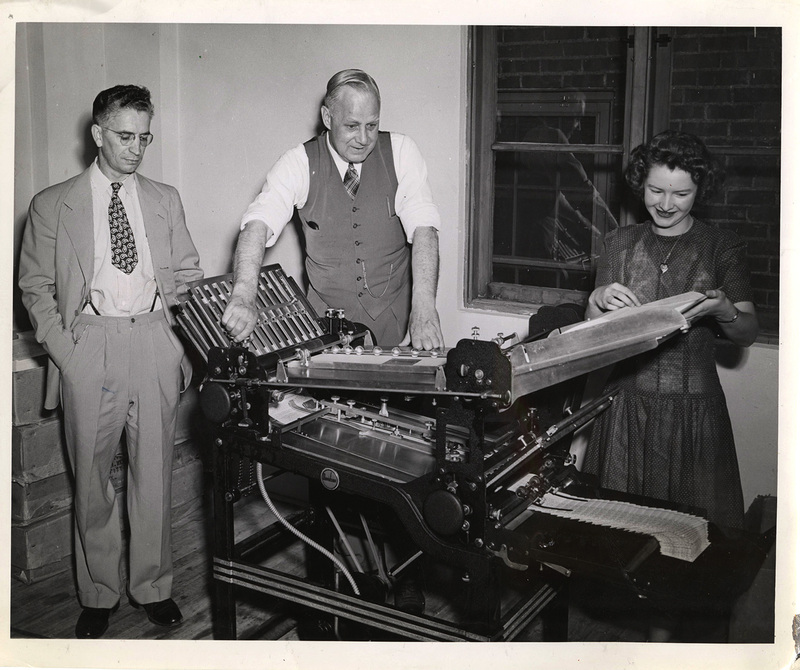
(104, 256)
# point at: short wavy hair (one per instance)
(676, 150)
(123, 96)
(357, 79)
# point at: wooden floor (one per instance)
(49, 608)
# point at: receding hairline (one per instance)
(356, 80)
(335, 102)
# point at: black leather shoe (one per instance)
(161, 613)
(93, 622)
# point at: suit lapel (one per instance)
(156, 224)
(78, 221)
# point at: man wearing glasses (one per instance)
(104, 255)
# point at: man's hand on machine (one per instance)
(240, 318)
(424, 329)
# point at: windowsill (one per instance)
(771, 339)
(502, 306)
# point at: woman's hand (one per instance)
(716, 305)
(738, 321)
(610, 297)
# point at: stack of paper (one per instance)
(679, 535)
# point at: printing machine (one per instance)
(467, 447)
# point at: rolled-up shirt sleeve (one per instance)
(285, 188)
(413, 201)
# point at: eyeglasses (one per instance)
(126, 139)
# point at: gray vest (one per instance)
(356, 250)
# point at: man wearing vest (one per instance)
(104, 256)
(357, 226)
(370, 228)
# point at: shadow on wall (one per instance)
(88, 151)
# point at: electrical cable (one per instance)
(304, 538)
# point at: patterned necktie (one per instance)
(123, 246)
(351, 181)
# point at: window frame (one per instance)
(480, 291)
(555, 103)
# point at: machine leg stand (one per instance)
(482, 592)
(319, 568)
(555, 618)
(224, 609)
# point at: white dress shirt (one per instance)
(114, 293)
(287, 187)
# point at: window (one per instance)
(550, 198)
(554, 113)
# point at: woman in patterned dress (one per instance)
(668, 433)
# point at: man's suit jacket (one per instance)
(57, 261)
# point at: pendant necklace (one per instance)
(664, 267)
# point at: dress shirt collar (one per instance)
(341, 163)
(103, 183)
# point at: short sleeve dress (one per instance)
(668, 434)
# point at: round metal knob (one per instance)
(443, 512)
(216, 402)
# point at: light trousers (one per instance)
(124, 375)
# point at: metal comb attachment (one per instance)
(285, 317)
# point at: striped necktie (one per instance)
(351, 181)
(123, 245)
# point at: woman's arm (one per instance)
(738, 321)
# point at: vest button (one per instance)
(360, 295)
(355, 209)
(358, 278)
(355, 225)
(357, 242)
(358, 261)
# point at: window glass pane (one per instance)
(550, 212)
(573, 280)
(562, 129)
(566, 61)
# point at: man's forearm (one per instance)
(425, 266)
(424, 328)
(241, 315)
(248, 258)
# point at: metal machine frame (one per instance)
(486, 413)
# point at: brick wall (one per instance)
(726, 88)
(571, 58)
